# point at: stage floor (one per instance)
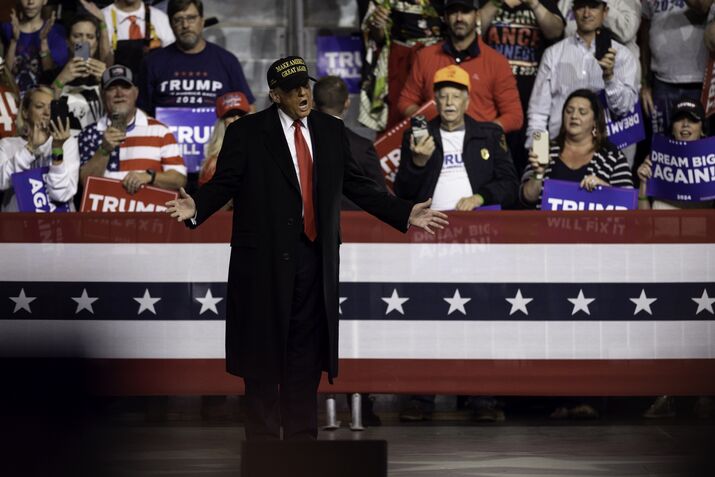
(155, 438)
(510, 450)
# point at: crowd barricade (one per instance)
(498, 303)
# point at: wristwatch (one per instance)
(152, 176)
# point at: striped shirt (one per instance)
(570, 65)
(149, 145)
(608, 164)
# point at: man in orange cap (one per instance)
(461, 163)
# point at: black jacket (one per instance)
(255, 169)
(494, 178)
(363, 151)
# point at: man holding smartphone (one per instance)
(589, 59)
(127, 144)
(459, 162)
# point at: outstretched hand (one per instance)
(425, 218)
(182, 208)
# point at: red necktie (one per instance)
(305, 168)
(135, 32)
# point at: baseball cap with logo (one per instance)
(590, 3)
(473, 4)
(451, 75)
(230, 102)
(688, 107)
(117, 73)
(288, 73)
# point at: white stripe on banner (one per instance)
(402, 339)
(426, 263)
(374, 339)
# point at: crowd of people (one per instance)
(520, 68)
(105, 71)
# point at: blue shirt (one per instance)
(172, 78)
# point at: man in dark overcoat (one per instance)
(286, 169)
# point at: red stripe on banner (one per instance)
(506, 227)
(470, 377)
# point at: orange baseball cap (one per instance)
(452, 74)
(233, 101)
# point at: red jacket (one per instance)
(494, 95)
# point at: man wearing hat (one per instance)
(462, 163)
(571, 64)
(152, 155)
(493, 97)
(286, 169)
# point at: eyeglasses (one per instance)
(188, 19)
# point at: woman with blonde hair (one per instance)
(229, 108)
(41, 142)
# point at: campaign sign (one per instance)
(192, 128)
(624, 130)
(389, 145)
(31, 193)
(567, 195)
(682, 170)
(109, 195)
(340, 56)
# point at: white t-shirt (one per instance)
(678, 53)
(453, 183)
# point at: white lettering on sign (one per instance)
(192, 134)
(623, 124)
(684, 176)
(108, 203)
(567, 204)
(345, 64)
(190, 85)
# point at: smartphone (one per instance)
(81, 50)
(419, 126)
(119, 121)
(59, 111)
(540, 146)
(603, 42)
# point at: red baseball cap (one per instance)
(233, 101)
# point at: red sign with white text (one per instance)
(388, 145)
(109, 195)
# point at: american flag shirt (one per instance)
(149, 144)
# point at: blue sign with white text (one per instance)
(192, 128)
(682, 170)
(31, 192)
(566, 195)
(624, 130)
(340, 56)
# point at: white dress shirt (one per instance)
(289, 132)
(570, 65)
